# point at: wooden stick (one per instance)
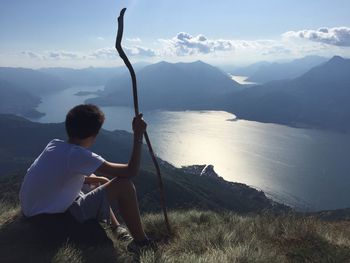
(136, 108)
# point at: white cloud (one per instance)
(338, 36)
(276, 50)
(104, 53)
(101, 38)
(62, 55)
(136, 39)
(186, 47)
(111, 53)
(139, 51)
(31, 55)
(184, 44)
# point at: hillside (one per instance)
(32, 81)
(89, 76)
(170, 86)
(319, 98)
(212, 220)
(85, 76)
(197, 236)
(184, 189)
(21, 90)
(17, 101)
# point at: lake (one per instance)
(306, 168)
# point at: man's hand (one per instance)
(96, 180)
(103, 180)
(132, 168)
(139, 126)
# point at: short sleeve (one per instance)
(83, 161)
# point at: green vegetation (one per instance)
(198, 236)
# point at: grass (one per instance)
(204, 236)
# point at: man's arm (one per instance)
(130, 169)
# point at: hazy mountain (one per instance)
(170, 86)
(265, 72)
(17, 101)
(248, 70)
(25, 140)
(319, 98)
(32, 81)
(89, 76)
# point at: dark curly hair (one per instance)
(83, 121)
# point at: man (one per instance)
(54, 181)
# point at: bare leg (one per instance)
(123, 191)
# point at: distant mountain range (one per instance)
(263, 72)
(89, 76)
(22, 88)
(170, 86)
(318, 98)
(185, 188)
(17, 101)
(32, 81)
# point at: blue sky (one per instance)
(80, 33)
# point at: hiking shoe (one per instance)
(121, 233)
(137, 247)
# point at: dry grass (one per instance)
(210, 237)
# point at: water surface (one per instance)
(303, 167)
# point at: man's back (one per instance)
(55, 178)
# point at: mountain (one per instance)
(17, 101)
(170, 86)
(318, 98)
(32, 81)
(263, 72)
(89, 76)
(184, 188)
(288, 70)
(248, 70)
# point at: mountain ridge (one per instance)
(172, 86)
(317, 99)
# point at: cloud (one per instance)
(101, 38)
(104, 53)
(337, 36)
(277, 50)
(136, 39)
(59, 55)
(139, 51)
(111, 53)
(31, 54)
(184, 44)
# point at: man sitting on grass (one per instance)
(54, 181)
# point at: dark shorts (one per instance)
(91, 205)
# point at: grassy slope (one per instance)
(201, 236)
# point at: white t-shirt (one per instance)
(56, 177)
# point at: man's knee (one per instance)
(122, 185)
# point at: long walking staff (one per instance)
(123, 56)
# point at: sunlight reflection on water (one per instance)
(300, 166)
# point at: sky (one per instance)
(81, 33)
